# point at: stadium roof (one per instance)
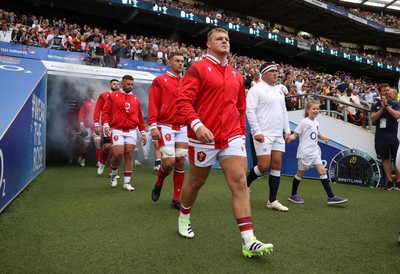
(303, 16)
(384, 4)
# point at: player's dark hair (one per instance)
(113, 80)
(383, 85)
(267, 66)
(174, 53)
(127, 77)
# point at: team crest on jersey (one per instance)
(234, 73)
(127, 106)
(165, 80)
(115, 138)
(201, 156)
(209, 69)
(168, 137)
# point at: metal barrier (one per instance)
(342, 113)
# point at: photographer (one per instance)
(369, 95)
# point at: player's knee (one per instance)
(167, 152)
(181, 152)
(262, 167)
(168, 163)
(195, 183)
(276, 165)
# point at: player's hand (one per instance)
(287, 138)
(144, 139)
(259, 138)
(107, 131)
(97, 130)
(155, 134)
(204, 135)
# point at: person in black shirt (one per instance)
(384, 113)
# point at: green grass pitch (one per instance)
(69, 220)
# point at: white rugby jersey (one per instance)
(266, 110)
(308, 131)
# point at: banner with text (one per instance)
(23, 125)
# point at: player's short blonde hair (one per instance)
(215, 30)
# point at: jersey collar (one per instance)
(123, 92)
(215, 60)
(172, 75)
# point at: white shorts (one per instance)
(91, 134)
(269, 144)
(170, 136)
(305, 164)
(205, 157)
(120, 137)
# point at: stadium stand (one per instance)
(71, 36)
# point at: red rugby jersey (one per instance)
(214, 95)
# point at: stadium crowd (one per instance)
(41, 31)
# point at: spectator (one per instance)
(369, 95)
(385, 113)
(354, 115)
(54, 39)
(148, 53)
